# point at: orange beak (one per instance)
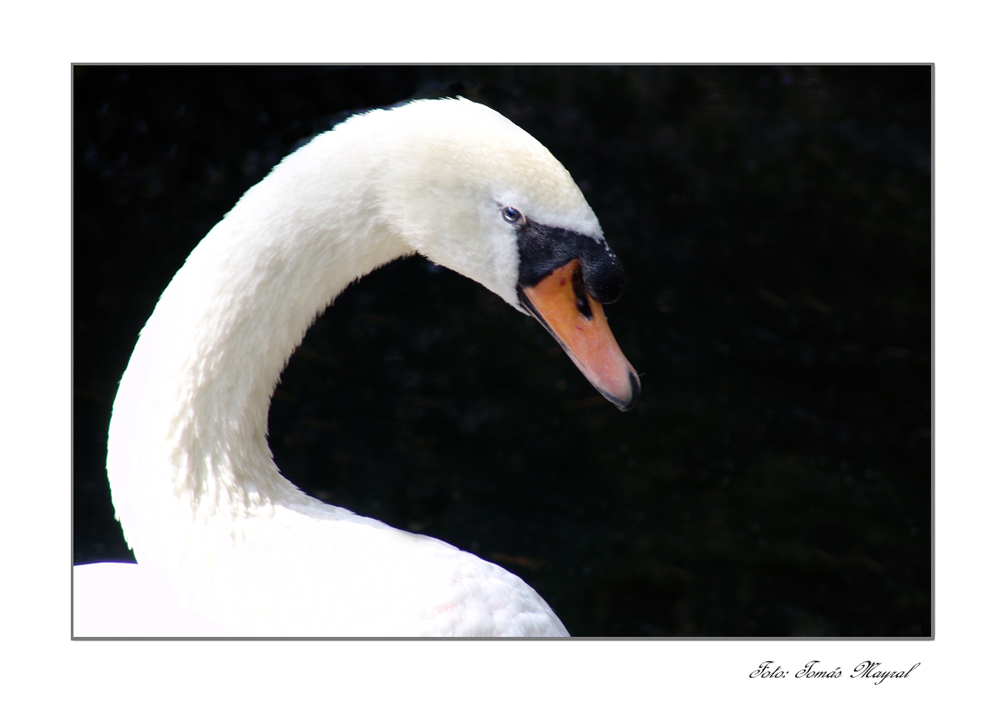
(577, 321)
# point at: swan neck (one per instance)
(190, 418)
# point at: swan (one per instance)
(224, 543)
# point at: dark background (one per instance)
(775, 227)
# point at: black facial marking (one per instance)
(543, 248)
(582, 304)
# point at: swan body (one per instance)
(228, 543)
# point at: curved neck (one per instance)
(188, 431)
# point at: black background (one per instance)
(775, 228)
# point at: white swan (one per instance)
(225, 543)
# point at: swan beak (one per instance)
(560, 302)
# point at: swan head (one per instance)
(470, 190)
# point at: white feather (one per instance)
(223, 540)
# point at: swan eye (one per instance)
(511, 215)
